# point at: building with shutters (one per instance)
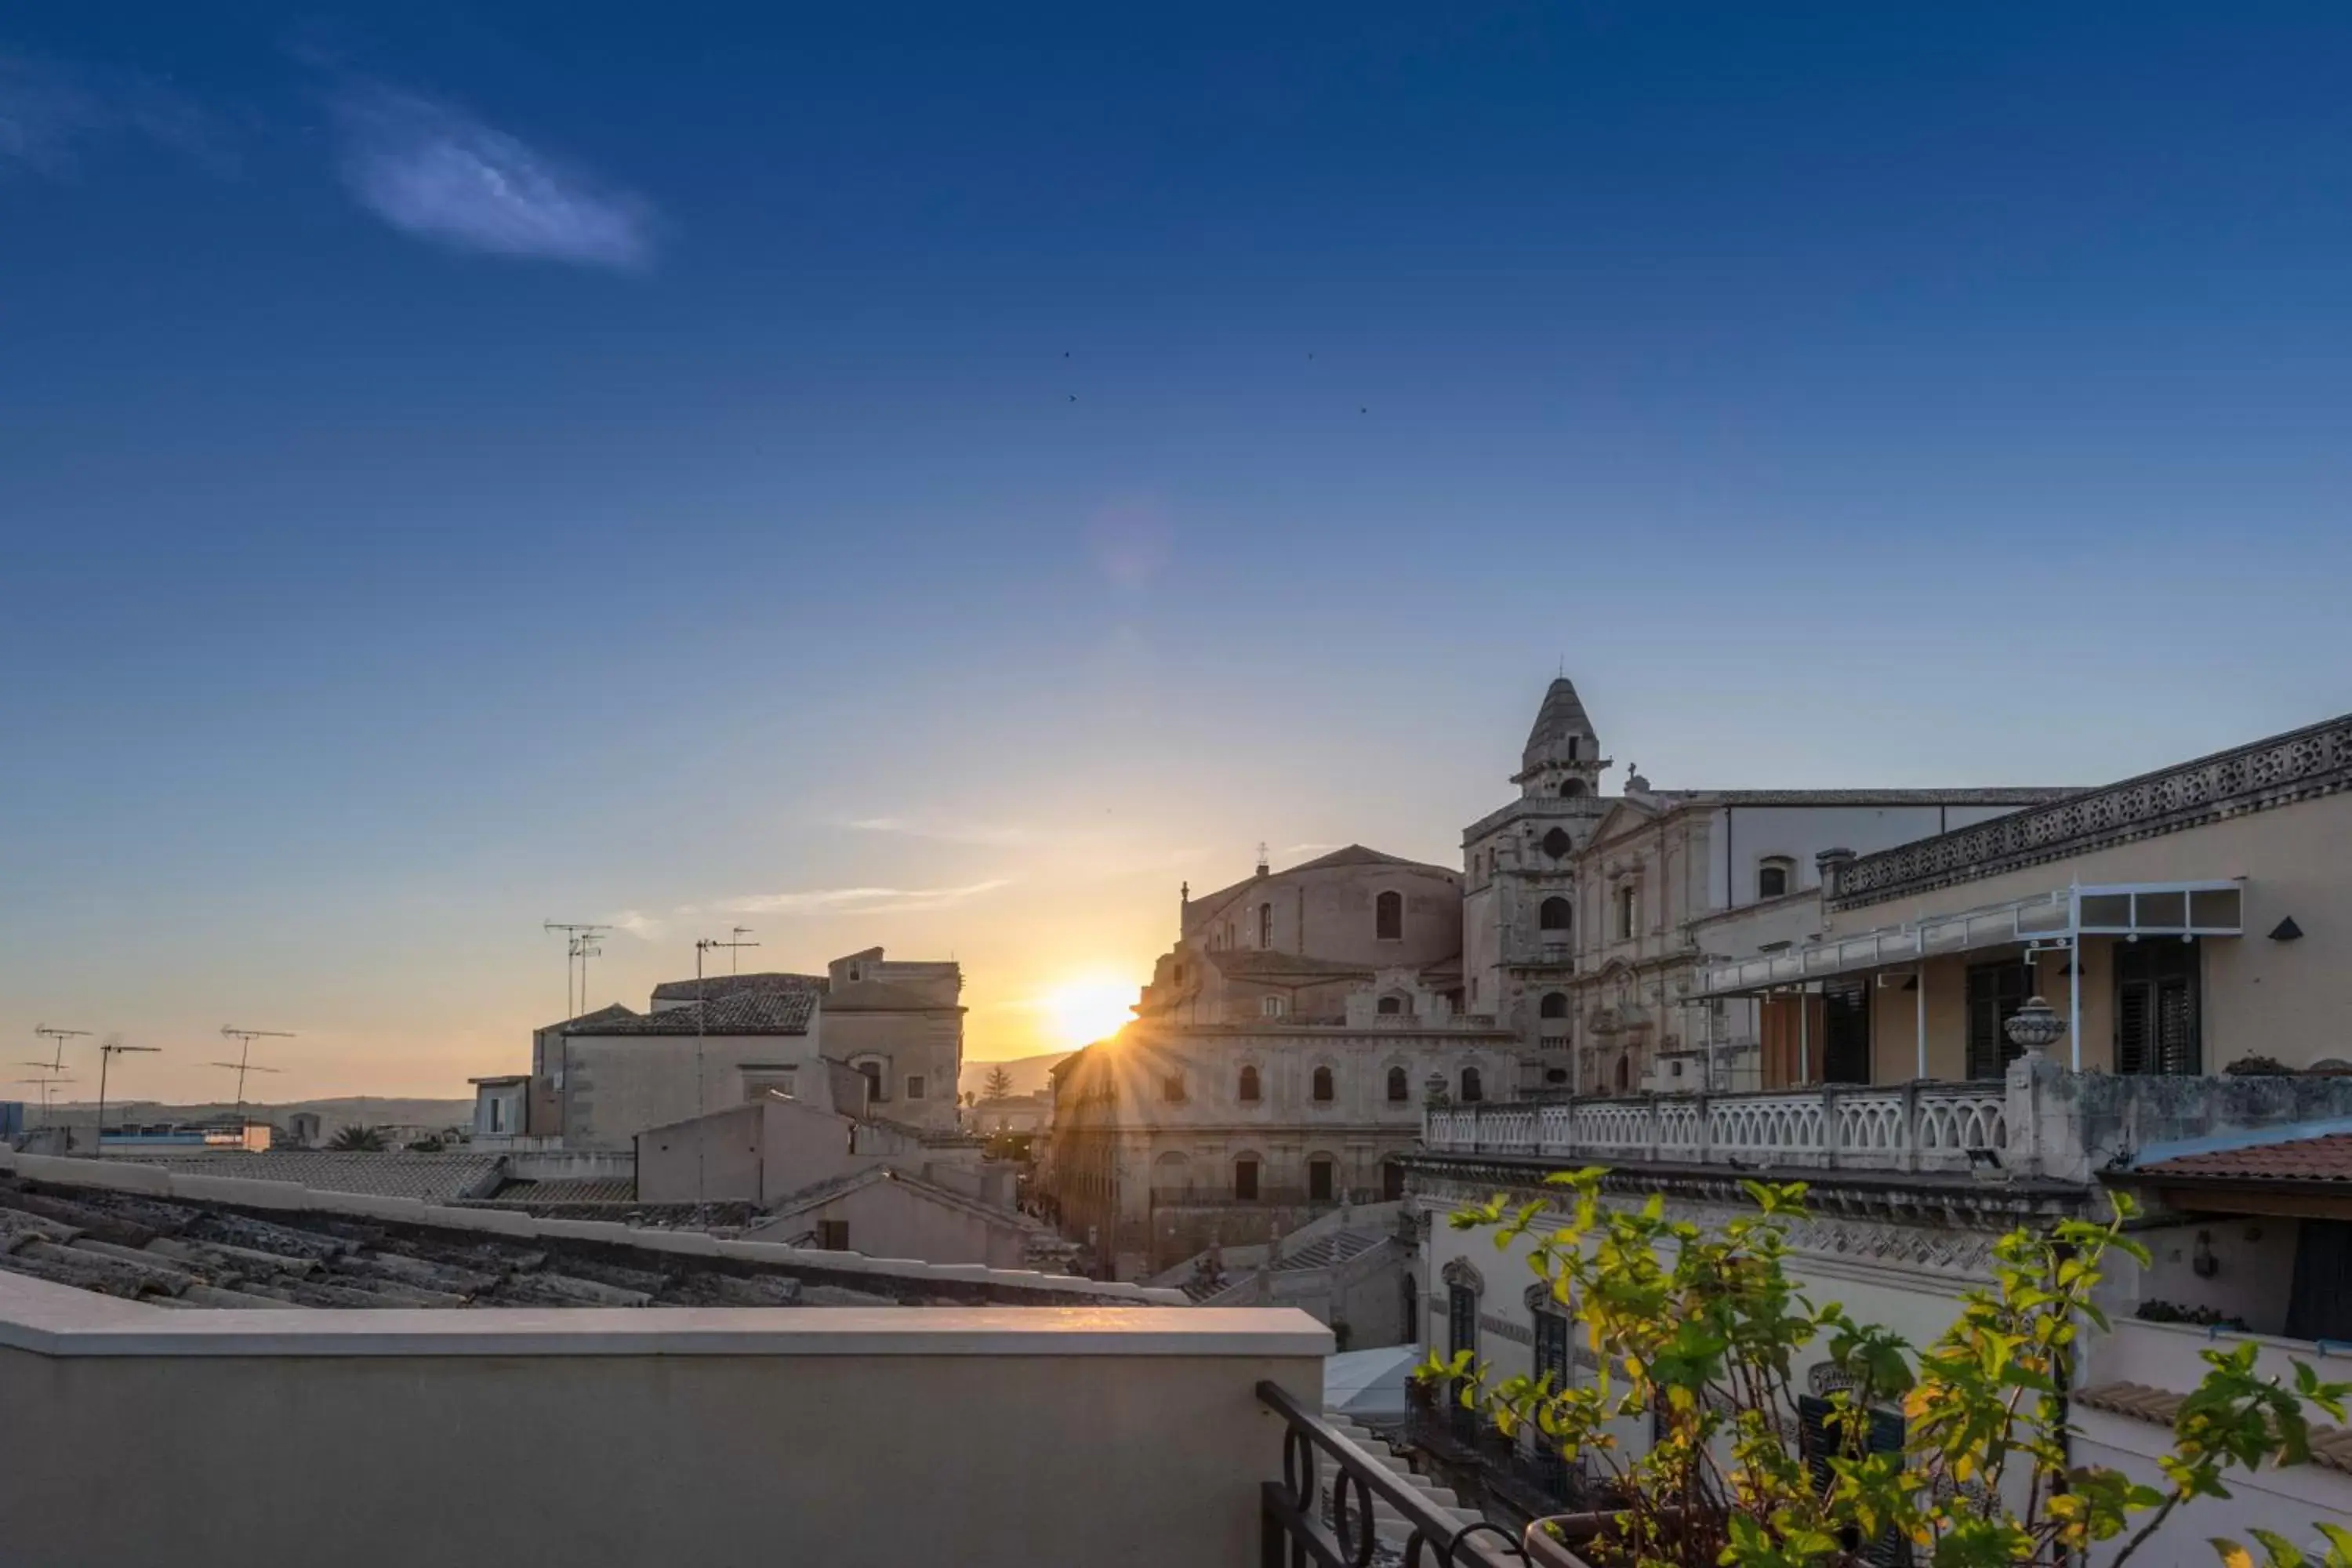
(2183, 932)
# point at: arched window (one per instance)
(1322, 1082)
(1391, 1005)
(1400, 1090)
(1266, 925)
(1474, 1088)
(1624, 1072)
(1773, 875)
(1388, 917)
(1555, 914)
(1570, 788)
(1249, 1090)
(1553, 1005)
(1246, 1179)
(1322, 1172)
(1556, 843)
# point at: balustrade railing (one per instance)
(1916, 1127)
(1322, 1510)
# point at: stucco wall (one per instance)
(620, 1085)
(887, 1219)
(782, 1450)
(928, 1045)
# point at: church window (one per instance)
(1556, 843)
(1773, 877)
(1398, 1092)
(1266, 925)
(1553, 1005)
(1628, 900)
(1269, 1006)
(1388, 917)
(1323, 1085)
(1246, 1179)
(1391, 1005)
(1249, 1089)
(1474, 1088)
(1554, 914)
(1320, 1171)
(1570, 788)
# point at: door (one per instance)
(2157, 1008)
(1996, 993)
(1845, 1031)
(1461, 1334)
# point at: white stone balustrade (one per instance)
(1917, 1127)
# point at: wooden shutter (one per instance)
(1818, 1442)
(2156, 1008)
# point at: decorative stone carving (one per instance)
(2274, 772)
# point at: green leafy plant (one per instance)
(358, 1138)
(1696, 1337)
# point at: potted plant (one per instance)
(1957, 1451)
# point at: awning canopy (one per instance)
(2053, 919)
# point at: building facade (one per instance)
(1277, 1064)
(2182, 933)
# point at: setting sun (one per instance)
(1085, 1011)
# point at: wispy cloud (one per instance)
(639, 924)
(850, 901)
(1311, 848)
(52, 114)
(435, 171)
(945, 831)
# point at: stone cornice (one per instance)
(1885, 1197)
(2299, 765)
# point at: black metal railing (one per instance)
(1303, 1520)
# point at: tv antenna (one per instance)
(45, 1080)
(581, 944)
(739, 932)
(112, 1049)
(709, 942)
(245, 1050)
(46, 1032)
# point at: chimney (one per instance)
(1832, 864)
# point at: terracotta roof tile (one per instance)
(2330, 1446)
(2324, 1158)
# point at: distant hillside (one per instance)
(1029, 1073)
(332, 1113)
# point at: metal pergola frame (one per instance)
(2055, 921)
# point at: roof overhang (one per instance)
(2055, 920)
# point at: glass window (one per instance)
(914, 1085)
(1266, 925)
(1269, 1006)
(1249, 1091)
(1554, 914)
(1627, 897)
(1398, 1089)
(1772, 879)
(1323, 1084)
(1474, 1088)
(1388, 917)
(1553, 1005)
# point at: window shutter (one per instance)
(2133, 999)
(2176, 1026)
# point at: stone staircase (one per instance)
(1387, 1524)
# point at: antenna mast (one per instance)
(245, 1050)
(58, 1054)
(112, 1049)
(580, 946)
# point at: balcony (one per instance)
(589, 1437)
(1916, 1127)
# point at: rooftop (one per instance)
(728, 984)
(743, 1012)
(2324, 1159)
(145, 1233)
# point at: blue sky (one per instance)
(942, 477)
